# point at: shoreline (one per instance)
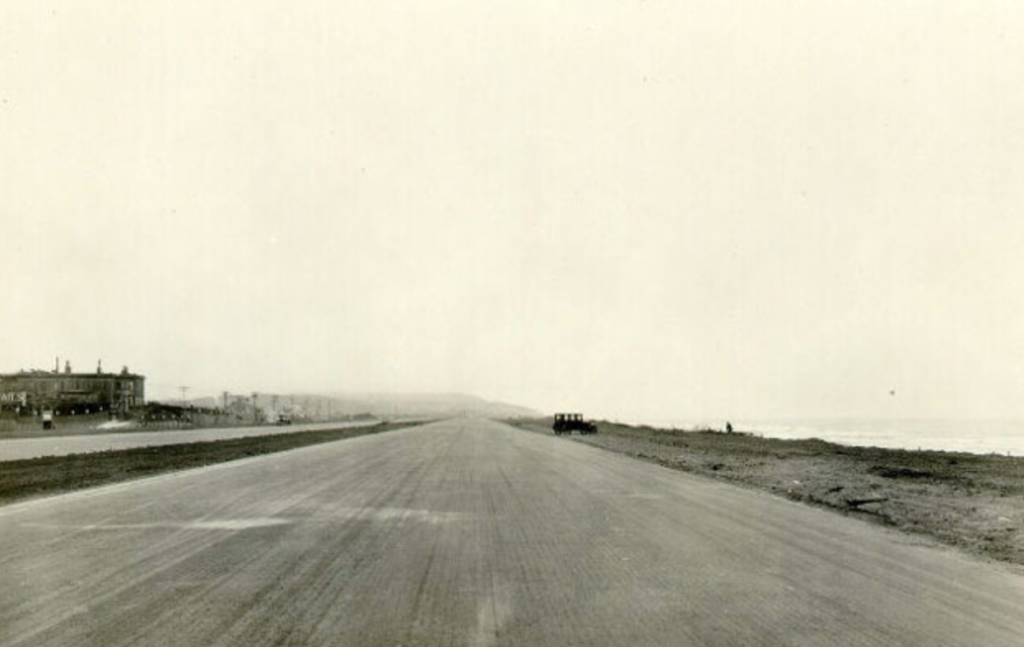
(972, 502)
(981, 436)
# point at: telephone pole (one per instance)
(184, 390)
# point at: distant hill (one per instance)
(438, 405)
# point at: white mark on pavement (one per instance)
(205, 524)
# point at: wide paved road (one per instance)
(473, 533)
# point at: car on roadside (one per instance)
(566, 423)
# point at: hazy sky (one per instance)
(657, 209)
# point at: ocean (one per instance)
(958, 435)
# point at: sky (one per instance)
(637, 209)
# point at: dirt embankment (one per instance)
(972, 502)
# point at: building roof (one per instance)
(51, 374)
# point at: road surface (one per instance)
(473, 533)
(21, 448)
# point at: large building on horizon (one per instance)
(31, 392)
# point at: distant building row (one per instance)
(31, 392)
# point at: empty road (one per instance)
(22, 448)
(473, 533)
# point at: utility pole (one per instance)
(184, 390)
(225, 394)
(255, 411)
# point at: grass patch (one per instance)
(35, 477)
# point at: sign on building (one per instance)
(14, 398)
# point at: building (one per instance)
(31, 392)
